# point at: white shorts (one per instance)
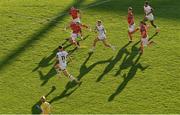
(77, 20)
(131, 28)
(62, 66)
(144, 41)
(101, 36)
(74, 36)
(150, 17)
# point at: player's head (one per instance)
(43, 99)
(99, 22)
(130, 9)
(146, 3)
(60, 48)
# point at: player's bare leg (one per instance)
(157, 29)
(108, 45)
(75, 43)
(95, 41)
(141, 48)
(152, 23)
(130, 34)
(94, 44)
(58, 69)
(150, 43)
(65, 72)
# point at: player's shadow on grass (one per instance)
(35, 108)
(131, 73)
(155, 34)
(128, 59)
(113, 62)
(37, 35)
(84, 69)
(69, 89)
(46, 61)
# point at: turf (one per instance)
(120, 81)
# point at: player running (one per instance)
(76, 28)
(144, 36)
(101, 36)
(148, 10)
(130, 19)
(75, 14)
(45, 106)
(62, 64)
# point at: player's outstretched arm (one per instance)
(84, 26)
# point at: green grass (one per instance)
(118, 81)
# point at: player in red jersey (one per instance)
(75, 14)
(130, 19)
(144, 36)
(76, 32)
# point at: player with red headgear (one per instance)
(75, 14)
(130, 19)
(144, 36)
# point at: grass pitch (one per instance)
(118, 81)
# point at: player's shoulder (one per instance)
(58, 53)
(149, 6)
(65, 52)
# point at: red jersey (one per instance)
(74, 13)
(143, 30)
(75, 28)
(130, 18)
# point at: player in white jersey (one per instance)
(62, 64)
(148, 10)
(101, 36)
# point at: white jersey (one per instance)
(147, 9)
(62, 58)
(100, 29)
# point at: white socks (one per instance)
(113, 47)
(71, 78)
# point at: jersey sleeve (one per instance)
(57, 55)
